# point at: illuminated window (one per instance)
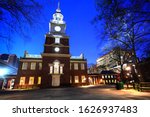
(108, 76)
(76, 66)
(33, 66)
(39, 80)
(61, 69)
(102, 76)
(76, 78)
(105, 76)
(82, 66)
(57, 40)
(112, 76)
(22, 80)
(51, 70)
(83, 79)
(31, 80)
(40, 66)
(70, 79)
(24, 66)
(56, 67)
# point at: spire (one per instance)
(58, 8)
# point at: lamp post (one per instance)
(3, 72)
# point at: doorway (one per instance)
(55, 80)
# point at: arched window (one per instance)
(56, 67)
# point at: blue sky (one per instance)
(78, 15)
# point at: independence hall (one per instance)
(55, 66)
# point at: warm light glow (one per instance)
(128, 68)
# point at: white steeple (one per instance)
(58, 17)
(58, 8)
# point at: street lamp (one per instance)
(3, 72)
(128, 68)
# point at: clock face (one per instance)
(57, 49)
(57, 28)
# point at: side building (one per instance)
(54, 67)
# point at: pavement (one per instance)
(98, 92)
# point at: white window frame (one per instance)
(61, 69)
(33, 66)
(83, 79)
(24, 66)
(76, 66)
(76, 79)
(56, 67)
(22, 80)
(39, 80)
(82, 66)
(31, 80)
(51, 69)
(40, 66)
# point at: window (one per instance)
(51, 70)
(33, 66)
(112, 76)
(83, 79)
(105, 76)
(76, 66)
(82, 66)
(70, 79)
(61, 69)
(40, 66)
(108, 76)
(22, 80)
(24, 66)
(76, 79)
(102, 76)
(39, 80)
(57, 40)
(31, 80)
(56, 67)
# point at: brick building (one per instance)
(54, 67)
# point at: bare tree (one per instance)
(126, 22)
(16, 16)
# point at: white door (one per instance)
(55, 80)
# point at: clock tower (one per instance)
(56, 55)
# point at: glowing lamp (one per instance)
(128, 68)
(3, 71)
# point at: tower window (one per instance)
(56, 67)
(51, 70)
(33, 66)
(31, 81)
(57, 40)
(22, 80)
(24, 66)
(61, 69)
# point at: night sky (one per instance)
(78, 15)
